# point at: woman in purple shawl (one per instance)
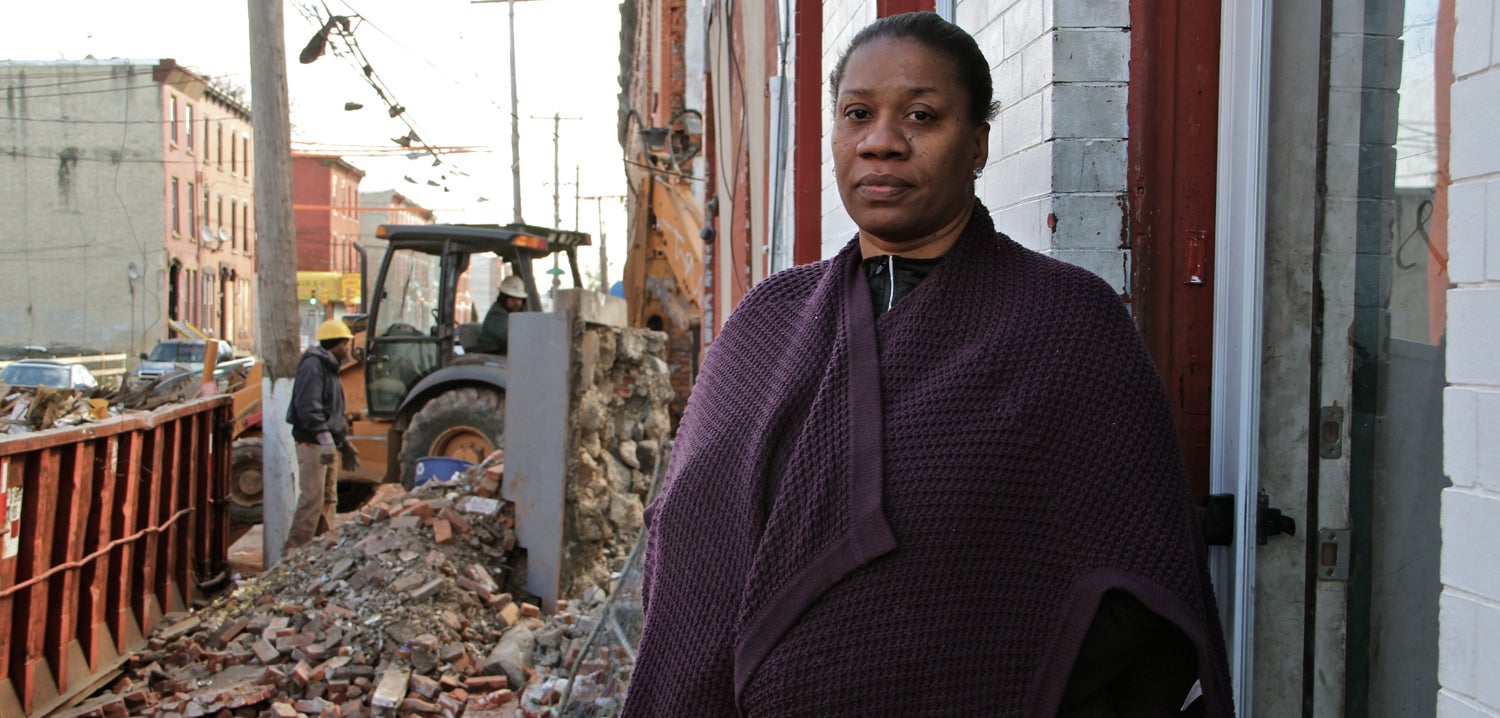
(933, 475)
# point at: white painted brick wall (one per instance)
(1473, 339)
(1476, 104)
(1469, 615)
(1472, 37)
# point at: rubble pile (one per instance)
(27, 409)
(399, 611)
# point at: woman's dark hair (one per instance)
(941, 36)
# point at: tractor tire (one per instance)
(466, 423)
(246, 486)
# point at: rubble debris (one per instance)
(375, 618)
(27, 409)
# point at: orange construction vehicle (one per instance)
(414, 389)
(663, 276)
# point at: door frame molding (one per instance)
(1239, 260)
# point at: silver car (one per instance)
(45, 372)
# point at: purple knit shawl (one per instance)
(916, 515)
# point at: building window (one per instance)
(245, 223)
(234, 226)
(220, 156)
(205, 138)
(187, 114)
(192, 207)
(221, 213)
(172, 118)
(245, 143)
(191, 300)
(207, 218)
(234, 157)
(176, 210)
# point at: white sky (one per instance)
(446, 61)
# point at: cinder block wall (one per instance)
(1469, 614)
(1056, 175)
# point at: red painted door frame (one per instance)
(1173, 158)
(807, 129)
(884, 8)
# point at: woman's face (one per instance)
(904, 148)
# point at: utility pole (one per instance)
(557, 119)
(276, 321)
(515, 115)
(603, 254)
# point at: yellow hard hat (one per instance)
(334, 329)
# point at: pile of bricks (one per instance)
(401, 611)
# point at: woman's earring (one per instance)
(978, 172)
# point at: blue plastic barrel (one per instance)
(439, 468)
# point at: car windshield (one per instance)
(176, 352)
(34, 375)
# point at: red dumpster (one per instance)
(106, 527)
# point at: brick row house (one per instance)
(127, 187)
(325, 202)
(1296, 201)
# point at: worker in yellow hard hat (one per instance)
(320, 430)
(494, 335)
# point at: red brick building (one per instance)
(325, 202)
(325, 196)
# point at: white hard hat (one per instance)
(512, 287)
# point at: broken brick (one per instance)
(424, 686)
(266, 652)
(486, 684)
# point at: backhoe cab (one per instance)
(432, 398)
(413, 390)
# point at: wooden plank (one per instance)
(75, 501)
(93, 609)
(37, 513)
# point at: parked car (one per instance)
(176, 355)
(45, 372)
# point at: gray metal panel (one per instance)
(536, 437)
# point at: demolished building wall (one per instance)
(620, 392)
